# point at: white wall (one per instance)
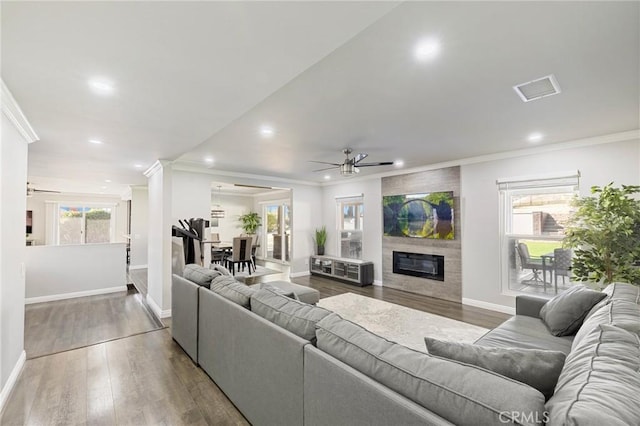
(139, 226)
(599, 165)
(61, 272)
(159, 239)
(234, 206)
(37, 203)
(13, 182)
(372, 227)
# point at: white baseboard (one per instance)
(13, 378)
(491, 306)
(159, 313)
(133, 268)
(377, 282)
(299, 274)
(73, 295)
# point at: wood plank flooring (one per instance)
(140, 380)
(61, 325)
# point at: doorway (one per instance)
(277, 230)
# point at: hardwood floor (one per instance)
(58, 326)
(140, 380)
(138, 277)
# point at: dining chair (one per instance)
(241, 254)
(527, 262)
(561, 265)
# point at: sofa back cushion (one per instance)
(199, 275)
(619, 312)
(229, 288)
(290, 314)
(458, 392)
(624, 291)
(600, 381)
(565, 313)
(537, 368)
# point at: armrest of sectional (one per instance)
(529, 305)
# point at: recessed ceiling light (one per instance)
(108, 180)
(535, 137)
(426, 49)
(267, 131)
(138, 166)
(208, 160)
(398, 163)
(95, 141)
(101, 86)
(327, 177)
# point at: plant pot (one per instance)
(320, 250)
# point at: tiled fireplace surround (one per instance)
(440, 180)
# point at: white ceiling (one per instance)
(197, 79)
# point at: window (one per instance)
(350, 225)
(534, 213)
(84, 224)
(277, 230)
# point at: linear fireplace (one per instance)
(419, 265)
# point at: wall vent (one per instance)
(537, 89)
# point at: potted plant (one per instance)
(250, 222)
(320, 239)
(604, 233)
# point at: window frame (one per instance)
(83, 206)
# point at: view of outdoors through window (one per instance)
(533, 231)
(84, 225)
(350, 225)
(277, 231)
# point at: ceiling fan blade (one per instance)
(359, 157)
(384, 163)
(324, 162)
(45, 190)
(328, 168)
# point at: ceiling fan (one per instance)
(351, 166)
(31, 190)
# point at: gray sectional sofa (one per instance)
(282, 362)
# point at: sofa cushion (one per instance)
(289, 294)
(455, 391)
(564, 313)
(293, 315)
(233, 290)
(199, 275)
(537, 368)
(600, 381)
(525, 332)
(624, 291)
(619, 312)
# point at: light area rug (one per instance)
(260, 271)
(400, 324)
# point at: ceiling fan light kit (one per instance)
(351, 166)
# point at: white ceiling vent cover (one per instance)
(538, 89)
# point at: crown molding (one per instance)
(186, 166)
(14, 113)
(577, 143)
(155, 167)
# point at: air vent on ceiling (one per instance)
(537, 89)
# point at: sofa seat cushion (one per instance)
(455, 391)
(199, 275)
(619, 312)
(298, 317)
(537, 368)
(525, 332)
(600, 381)
(233, 290)
(565, 313)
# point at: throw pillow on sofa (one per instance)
(564, 314)
(199, 275)
(233, 290)
(539, 369)
(297, 317)
(460, 393)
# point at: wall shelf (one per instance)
(351, 271)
